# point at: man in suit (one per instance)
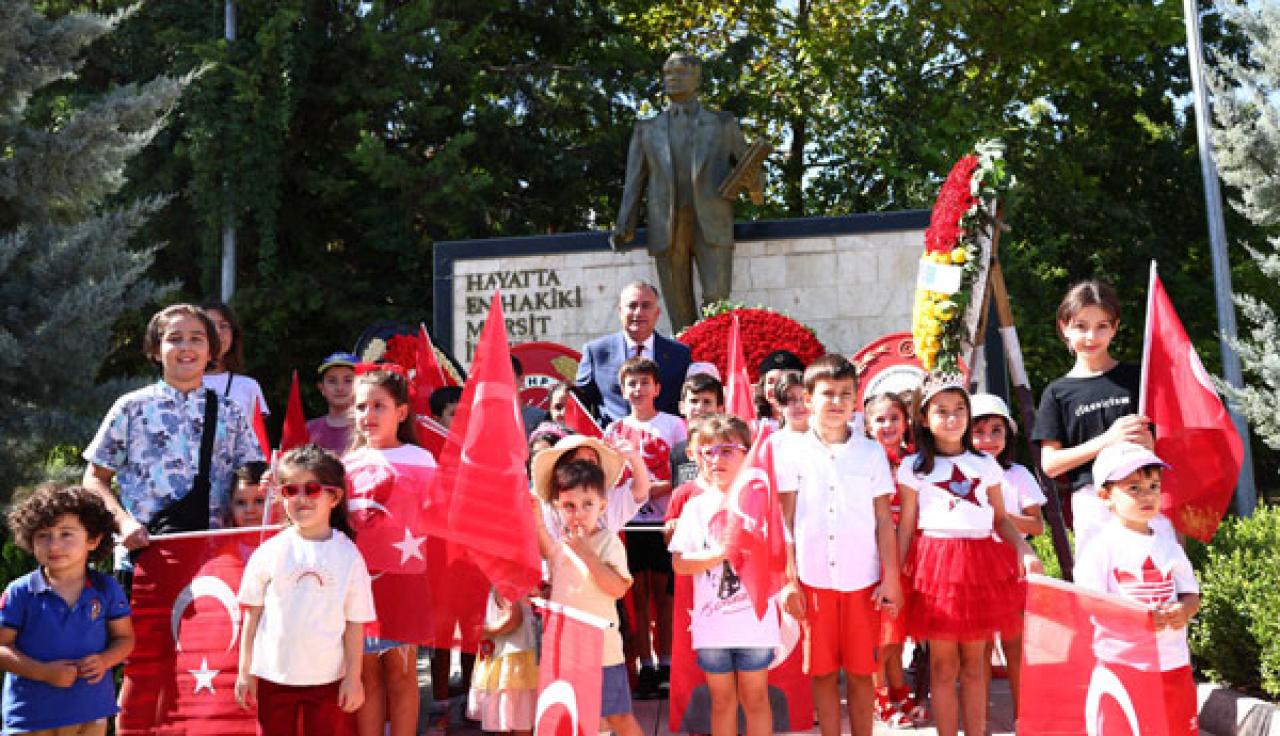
(601, 358)
(682, 156)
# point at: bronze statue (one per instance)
(684, 155)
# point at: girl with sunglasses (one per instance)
(307, 594)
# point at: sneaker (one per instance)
(646, 684)
(896, 718)
(883, 708)
(918, 712)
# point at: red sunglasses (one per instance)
(310, 489)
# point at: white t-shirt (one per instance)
(655, 437)
(953, 498)
(1148, 569)
(573, 585)
(309, 590)
(243, 391)
(1019, 490)
(722, 615)
(835, 520)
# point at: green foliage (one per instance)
(1236, 635)
(67, 264)
(1247, 136)
(1043, 546)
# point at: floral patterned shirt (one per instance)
(151, 439)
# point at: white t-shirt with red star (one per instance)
(1150, 570)
(953, 497)
(655, 437)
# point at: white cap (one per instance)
(707, 368)
(990, 405)
(1118, 460)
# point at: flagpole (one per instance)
(1246, 498)
(1146, 343)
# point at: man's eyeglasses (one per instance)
(309, 489)
(711, 452)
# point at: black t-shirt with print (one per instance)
(683, 469)
(1075, 410)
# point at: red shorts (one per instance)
(285, 710)
(842, 631)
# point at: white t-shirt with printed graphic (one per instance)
(308, 590)
(953, 497)
(655, 438)
(722, 615)
(1150, 570)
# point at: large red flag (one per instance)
(569, 673)
(1090, 665)
(753, 532)
(482, 499)
(1194, 433)
(260, 429)
(738, 390)
(295, 432)
(181, 675)
(577, 418)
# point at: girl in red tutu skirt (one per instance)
(965, 586)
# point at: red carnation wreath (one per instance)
(763, 331)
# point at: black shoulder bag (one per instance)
(191, 512)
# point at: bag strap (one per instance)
(227, 391)
(208, 431)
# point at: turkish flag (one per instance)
(569, 674)
(427, 376)
(181, 675)
(738, 389)
(295, 432)
(1090, 665)
(385, 507)
(753, 533)
(481, 501)
(431, 435)
(790, 691)
(1194, 433)
(260, 429)
(577, 418)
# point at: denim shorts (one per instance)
(722, 661)
(615, 692)
(374, 645)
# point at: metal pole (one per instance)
(1246, 498)
(228, 222)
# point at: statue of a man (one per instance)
(683, 155)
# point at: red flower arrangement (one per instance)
(955, 200)
(763, 332)
(403, 351)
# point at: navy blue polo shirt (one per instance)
(48, 629)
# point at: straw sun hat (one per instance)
(545, 462)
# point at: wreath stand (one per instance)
(997, 292)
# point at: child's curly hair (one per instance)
(49, 501)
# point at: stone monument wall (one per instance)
(851, 279)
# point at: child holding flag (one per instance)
(734, 646)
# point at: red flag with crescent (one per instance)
(569, 674)
(1194, 433)
(738, 389)
(181, 675)
(294, 434)
(577, 418)
(481, 501)
(427, 375)
(1091, 666)
(753, 531)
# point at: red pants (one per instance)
(303, 710)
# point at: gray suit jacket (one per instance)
(717, 145)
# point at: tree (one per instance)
(1247, 144)
(67, 266)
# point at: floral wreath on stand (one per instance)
(952, 281)
(763, 331)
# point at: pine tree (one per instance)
(67, 268)
(1247, 145)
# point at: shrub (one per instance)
(1236, 635)
(1043, 546)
